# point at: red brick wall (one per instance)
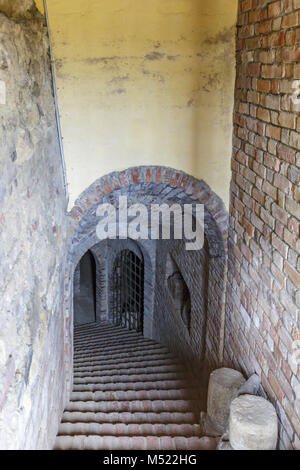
(263, 297)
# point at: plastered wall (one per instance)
(144, 83)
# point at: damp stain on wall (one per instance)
(145, 83)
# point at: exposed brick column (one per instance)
(263, 297)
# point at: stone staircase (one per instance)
(129, 393)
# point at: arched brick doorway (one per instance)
(85, 289)
(148, 185)
(126, 307)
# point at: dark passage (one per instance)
(128, 291)
(85, 290)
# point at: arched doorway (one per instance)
(127, 291)
(149, 185)
(85, 290)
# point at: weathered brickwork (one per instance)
(160, 185)
(169, 328)
(263, 299)
(32, 245)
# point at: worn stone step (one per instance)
(134, 429)
(104, 354)
(178, 394)
(134, 350)
(103, 325)
(129, 418)
(128, 443)
(125, 358)
(133, 371)
(102, 329)
(108, 337)
(129, 392)
(96, 328)
(79, 329)
(127, 386)
(104, 367)
(95, 380)
(132, 406)
(117, 345)
(106, 346)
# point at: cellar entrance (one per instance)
(85, 290)
(127, 289)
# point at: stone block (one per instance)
(250, 387)
(223, 386)
(253, 424)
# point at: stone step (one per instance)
(82, 332)
(134, 350)
(115, 344)
(128, 378)
(128, 443)
(102, 338)
(129, 418)
(101, 331)
(133, 371)
(91, 325)
(124, 365)
(121, 359)
(178, 394)
(127, 386)
(132, 406)
(129, 392)
(106, 346)
(134, 429)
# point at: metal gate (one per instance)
(127, 291)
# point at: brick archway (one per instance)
(156, 184)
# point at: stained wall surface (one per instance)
(145, 83)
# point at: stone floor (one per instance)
(129, 392)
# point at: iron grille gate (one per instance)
(128, 291)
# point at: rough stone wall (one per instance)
(18, 9)
(32, 228)
(263, 301)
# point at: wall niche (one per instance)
(179, 291)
